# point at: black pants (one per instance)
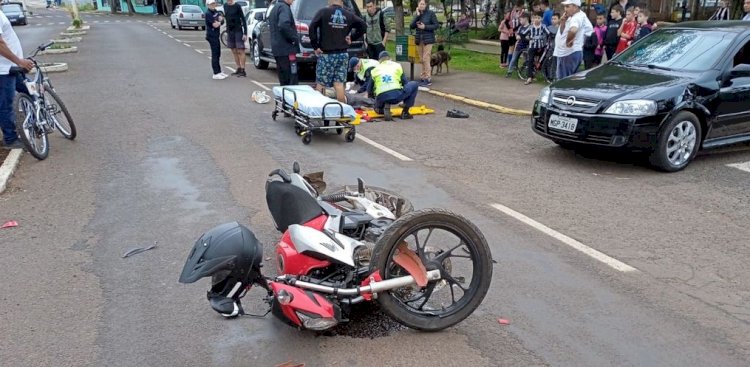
(610, 51)
(504, 47)
(215, 53)
(373, 51)
(287, 76)
(530, 62)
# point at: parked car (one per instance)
(303, 12)
(254, 17)
(188, 16)
(678, 90)
(15, 13)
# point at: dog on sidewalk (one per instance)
(438, 59)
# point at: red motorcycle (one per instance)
(428, 269)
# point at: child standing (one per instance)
(506, 31)
(627, 31)
(644, 27)
(522, 43)
(538, 38)
(600, 30)
(613, 27)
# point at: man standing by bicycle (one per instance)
(11, 54)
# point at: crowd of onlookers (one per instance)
(543, 28)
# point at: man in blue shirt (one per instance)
(547, 17)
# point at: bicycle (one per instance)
(39, 110)
(545, 64)
(489, 16)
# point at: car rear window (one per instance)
(678, 49)
(306, 9)
(12, 8)
(191, 9)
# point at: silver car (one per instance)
(190, 16)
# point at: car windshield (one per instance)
(678, 49)
(11, 8)
(191, 9)
(306, 9)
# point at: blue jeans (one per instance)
(7, 114)
(568, 65)
(408, 95)
(514, 59)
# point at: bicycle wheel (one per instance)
(549, 69)
(223, 37)
(59, 114)
(523, 70)
(31, 134)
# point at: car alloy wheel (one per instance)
(681, 143)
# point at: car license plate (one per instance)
(562, 123)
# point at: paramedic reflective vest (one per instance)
(366, 64)
(387, 77)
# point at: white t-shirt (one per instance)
(580, 21)
(11, 40)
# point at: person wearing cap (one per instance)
(213, 26)
(361, 69)
(389, 86)
(574, 27)
(284, 41)
(331, 31)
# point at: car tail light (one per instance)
(306, 54)
(302, 27)
(203, 16)
(182, 15)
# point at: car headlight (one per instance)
(636, 107)
(544, 95)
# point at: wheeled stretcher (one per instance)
(313, 111)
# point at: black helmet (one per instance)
(231, 255)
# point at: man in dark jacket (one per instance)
(213, 24)
(284, 41)
(377, 33)
(425, 22)
(330, 37)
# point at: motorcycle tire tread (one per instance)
(393, 307)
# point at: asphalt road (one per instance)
(164, 153)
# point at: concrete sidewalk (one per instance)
(494, 89)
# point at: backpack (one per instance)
(590, 42)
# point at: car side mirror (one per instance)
(260, 16)
(740, 71)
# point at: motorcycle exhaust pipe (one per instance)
(374, 287)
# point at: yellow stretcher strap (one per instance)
(395, 111)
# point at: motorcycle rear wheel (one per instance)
(379, 195)
(409, 305)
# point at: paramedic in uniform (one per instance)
(389, 85)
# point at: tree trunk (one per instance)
(398, 9)
(735, 12)
(114, 6)
(694, 10)
(131, 8)
(167, 5)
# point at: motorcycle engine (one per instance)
(375, 229)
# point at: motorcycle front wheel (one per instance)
(444, 241)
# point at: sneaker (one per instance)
(405, 115)
(427, 82)
(236, 72)
(219, 76)
(507, 75)
(378, 111)
(14, 145)
(241, 73)
(224, 75)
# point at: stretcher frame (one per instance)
(304, 125)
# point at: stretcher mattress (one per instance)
(311, 102)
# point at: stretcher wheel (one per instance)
(297, 130)
(339, 131)
(274, 114)
(349, 137)
(306, 138)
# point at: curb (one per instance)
(67, 50)
(484, 42)
(473, 102)
(83, 28)
(73, 33)
(8, 167)
(68, 40)
(56, 67)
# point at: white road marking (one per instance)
(50, 23)
(610, 261)
(744, 166)
(384, 148)
(185, 44)
(260, 85)
(61, 23)
(184, 41)
(230, 69)
(170, 36)
(199, 51)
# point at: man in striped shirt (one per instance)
(538, 38)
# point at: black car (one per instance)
(303, 12)
(680, 89)
(15, 13)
